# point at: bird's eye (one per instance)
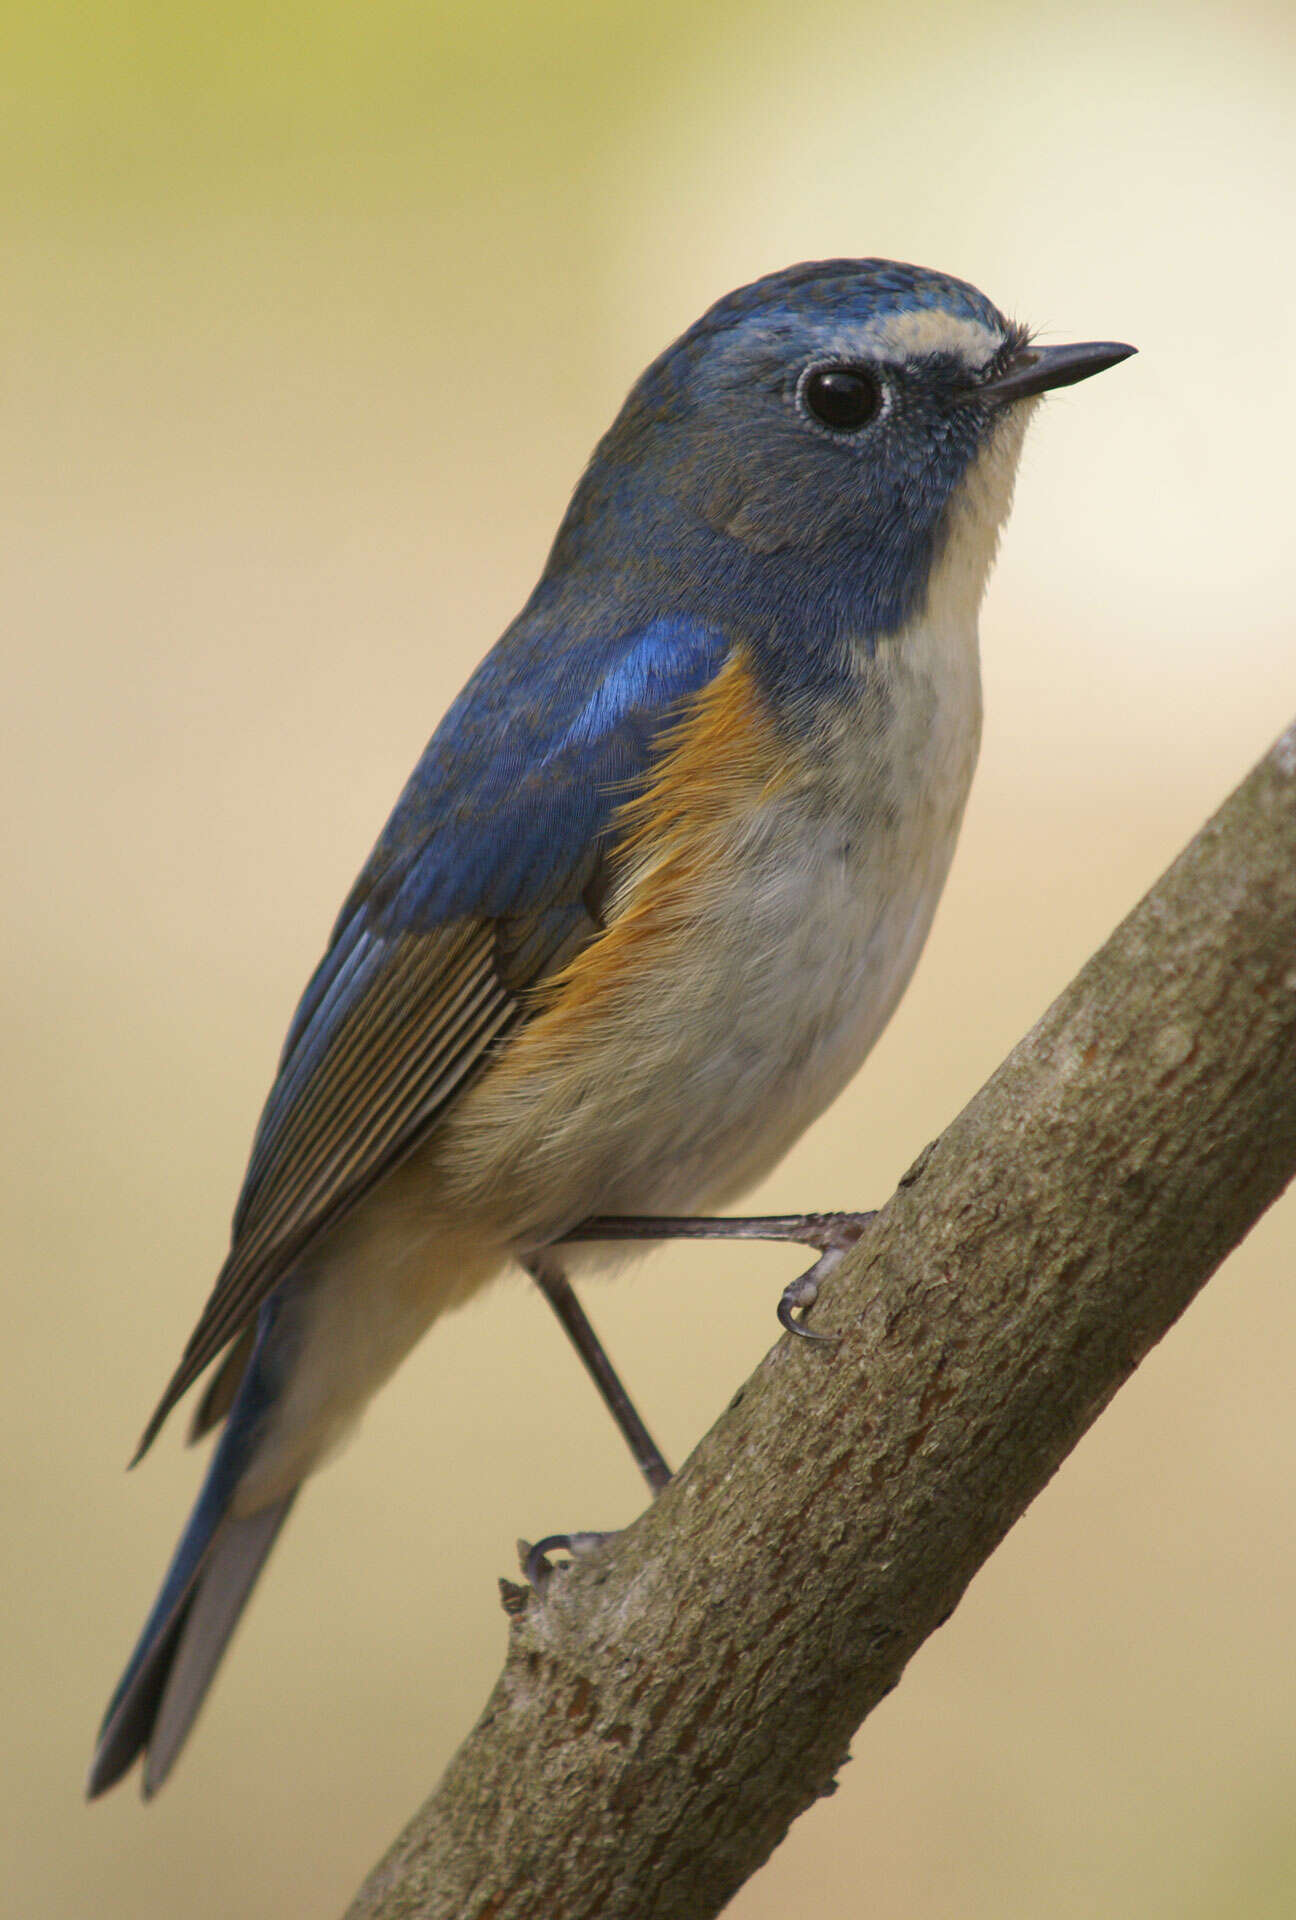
(842, 398)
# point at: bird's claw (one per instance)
(538, 1568)
(834, 1234)
(795, 1298)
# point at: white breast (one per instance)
(799, 934)
(829, 903)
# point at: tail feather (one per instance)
(133, 1710)
(238, 1554)
(205, 1590)
(167, 1683)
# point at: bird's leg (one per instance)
(557, 1290)
(831, 1234)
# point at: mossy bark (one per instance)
(670, 1705)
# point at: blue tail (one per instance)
(206, 1587)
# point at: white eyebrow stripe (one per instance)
(931, 330)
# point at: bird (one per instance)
(648, 899)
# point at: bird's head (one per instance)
(840, 427)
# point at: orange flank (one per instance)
(723, 758)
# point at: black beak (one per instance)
(1040, 369)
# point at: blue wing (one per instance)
(479, 884)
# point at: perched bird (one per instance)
(648, 899)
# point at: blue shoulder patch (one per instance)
(506, 811)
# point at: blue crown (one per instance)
(853, 289)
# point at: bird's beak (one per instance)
(1040, 369)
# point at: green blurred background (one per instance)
(312, 314)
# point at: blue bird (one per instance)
(647, 901)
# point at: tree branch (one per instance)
(670, 1706)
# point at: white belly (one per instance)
(801, 937)
(815, 934)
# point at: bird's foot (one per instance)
(534, 1559)
(831, 1234)
(834, 1234)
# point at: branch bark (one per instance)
(670, 1706)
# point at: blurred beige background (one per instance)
(312, 313)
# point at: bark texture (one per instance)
(670, 1705)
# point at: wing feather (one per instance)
(486, 878)
(403, 1054)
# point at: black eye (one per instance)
(842, 397)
